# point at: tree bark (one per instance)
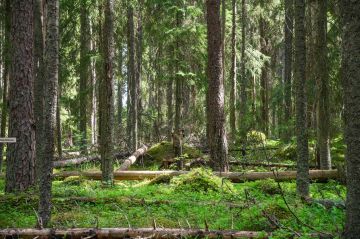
(302, 180)
(216, 117)
(139, 53)
(233, 73)
(107, 96)
(243, 122)
(288, 31)
(20, 162)
(351, 84)
(322, 79)
(85, 73)
(265, 75)
(5, 76)
(133, 119)
(39, 68)
(50, 104)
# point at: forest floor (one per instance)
(182, 202)
(254, 206)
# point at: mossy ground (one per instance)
(137, 204)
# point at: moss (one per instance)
(278, 211)
(268, 186)
(288, 152)
(256, 137)
(164, 150)
(74, 180)
(202, 180)
(162, 179)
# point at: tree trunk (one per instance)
(178, 93)
(119, 95)
(169, 101)
(20, 162)
(85, 73)
(139, 53)
(216, 117)
(243, 122)
(39, 44)
(233, 75)
(351, 84)
(288, 31)
(265, 75)
(107, 96)
(322, 78)
(50, 104)
(302, 179)
(5, 76)
(133, 119)
(58, 123)
(165, 233)
(132, 159)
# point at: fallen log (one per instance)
(236, 177)
(75, 233)
(132, 159)
(280, 165)
(85, 159)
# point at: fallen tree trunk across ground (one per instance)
(320, 175)
(85, 159)
(132, 159)
(75, 233)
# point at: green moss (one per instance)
(278, 211)
(74, 180)
(202, 180)
(256, 137)
(162, 179)
(164, 150)
(268, 186)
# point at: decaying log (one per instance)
(132, 159)
(320, 175)
(85, 159)
(255, 164)
(75, 233)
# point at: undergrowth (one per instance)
(138, 204)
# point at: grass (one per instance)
(138, 204)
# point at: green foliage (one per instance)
(202, 180)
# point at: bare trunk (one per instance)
(216, 116)
(322, 78)
(288, 29)
(5, 76)
(107, 97)
(21, 156)
(243, 122)
(302, 179)
(85, 72)
(233, 75)
(351, 83)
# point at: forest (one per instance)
(180, 119)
